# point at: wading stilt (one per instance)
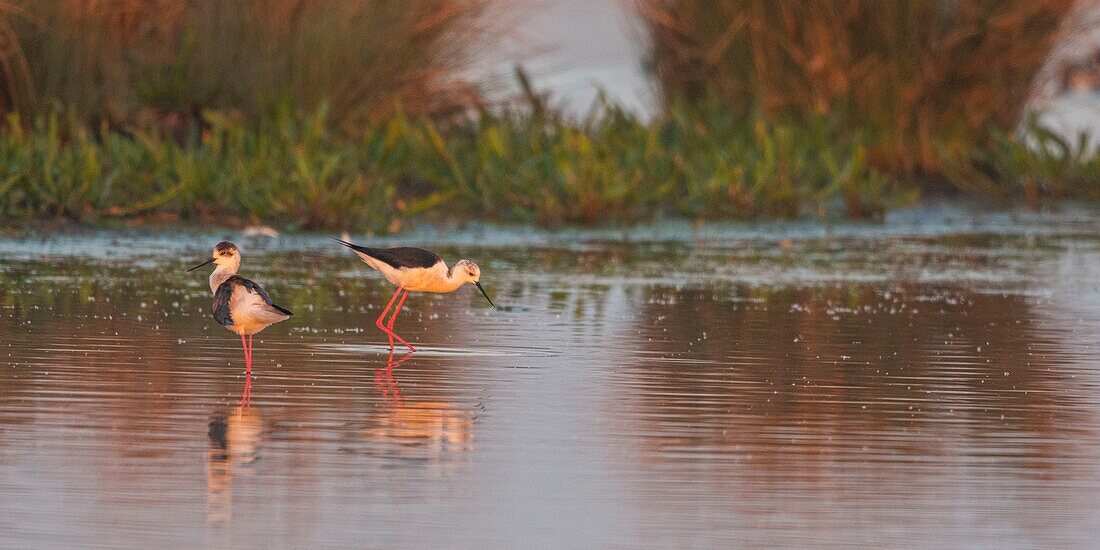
(415, 270)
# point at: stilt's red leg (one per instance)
(247, 356)
(246, 395)
(402, 340)
(393, 319)
(393, 335)
(396, 309)
(380, 322)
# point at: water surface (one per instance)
(923, 383)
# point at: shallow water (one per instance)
(902, 385)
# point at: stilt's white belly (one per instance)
(432, 279)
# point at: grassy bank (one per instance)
(524, 166)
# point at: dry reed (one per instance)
(125, 60)
(918, 76)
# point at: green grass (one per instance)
(295, 173)
(1028, 166)
(526, 166)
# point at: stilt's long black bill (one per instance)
(207, 262)
(483, 293)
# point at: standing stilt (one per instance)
(240, 305)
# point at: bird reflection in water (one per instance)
(232, 449)
(416, 428)
(246, 394)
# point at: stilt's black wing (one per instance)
(402, 256)
(225, 292)
(221, 303)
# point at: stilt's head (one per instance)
(468, 272)
(226, 256)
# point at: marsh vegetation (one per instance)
(352, 114)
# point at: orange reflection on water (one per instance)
(432, 426)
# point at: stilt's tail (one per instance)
(354, 247)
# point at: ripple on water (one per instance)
(443, 351)
(875, 388)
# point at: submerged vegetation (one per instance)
(349, 115)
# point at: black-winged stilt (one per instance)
(415, 270)
(240, 305)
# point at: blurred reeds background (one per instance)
(354, 114)
(916, 77)
(125, 61)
